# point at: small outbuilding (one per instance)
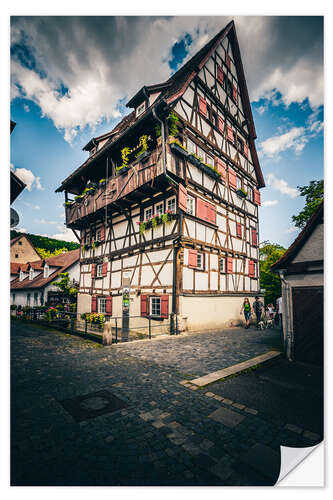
(301, 269)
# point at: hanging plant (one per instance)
(172, 123)
(142, 227)
(143, 142)
(125, 152)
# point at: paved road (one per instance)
(87, 415)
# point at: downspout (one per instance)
(286, 313)
(163, 139)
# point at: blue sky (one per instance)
(65, 92)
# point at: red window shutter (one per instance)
(182, 197)
(109, 305)
(257, 200)
(254, 237)
(201, 209)
(211, 213)
(229, 265)
(232, 178)
(251, 268)
(164, 306)
(228, 61)
(219, 73)
(144, 305)
(93, 304)
(192, 258)
(93, 270)
(102, 233)
(246, 151)
(105, 269)
(230, 134)
(239, 229)
(202, 106)
(234, 93)
(220, 167)
(220, 123)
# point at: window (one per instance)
(171, 204)
(190, 205)
(102, 304)
(238, 182)
(98, 235)
(21, 276)
(222, 265)
(159, 209)
(200, 261)
(99, 270)
(155, 306)
(20, 242)
(36, 299)
(87, 237)
(140, 109)
(28, 299)
(250, 193)
(191, 147)
(209, 160)
(254, 269)
(229, 88)
(201, 153)
(148, 213)
(240, 145)
(31, 274)
(46, 271)
(16, 256)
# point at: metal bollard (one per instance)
(116, 331)
(149, 328)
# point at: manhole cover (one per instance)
(92, 405)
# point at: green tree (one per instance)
(268, 254)
(65, 286)
(45, 254)
(314, 194)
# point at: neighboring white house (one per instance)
(301, 269)
(31, 283)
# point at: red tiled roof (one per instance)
(61, 261)
(14, 267)
(285, 259)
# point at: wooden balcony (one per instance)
(117, 190)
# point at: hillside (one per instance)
(45, 243)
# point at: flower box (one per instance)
(210, 171)
(176, 148)
(194, 160)
(123, 170)
(143, 156)
(241, 193)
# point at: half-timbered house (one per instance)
(166, 205)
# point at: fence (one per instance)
(113, 329)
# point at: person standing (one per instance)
(271, 312)
(279, 310)
(257, 308)
(246, 309)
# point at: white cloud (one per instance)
(293, 139)
(66, 235)
(44, 221)
(78, 84)
(31, 205)
(282, 186)
(292, 229)
(269, 203)
(28, 177)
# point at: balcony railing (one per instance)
(116, 188)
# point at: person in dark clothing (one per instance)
(258, 308)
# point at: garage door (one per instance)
(308, 315)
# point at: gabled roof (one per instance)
(295, 247)
(173, 89)
(61, 262)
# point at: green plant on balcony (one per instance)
(242, 192)
(96, 243)
(79, 197)
(177, 141)
(211, 167)
(125, 152)
(101, 182)
(173, 124)
(142, 227)
(68, 203)
(143, 142)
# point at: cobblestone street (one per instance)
(161, 432)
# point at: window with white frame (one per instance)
(159, 209)
(191, 147)
(21, 276)
(148, 213)
(209, 160)
(254, 269)
(201, 153)
(250, 193)
(140, 109)
(171, 204)
(238, 182)
(190, 205)
(222, 265)
(200, 261)
(99, 270)
(101, 304)
(98, 235)
(46, 271)
(155, 306)
(31, 274)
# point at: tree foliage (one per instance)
(269, 253)
(65, 286)
(45, 254)
(314, 194)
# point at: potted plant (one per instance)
(178, 148)
(124, 167)
(143, 154)
(241, 192)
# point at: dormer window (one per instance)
(93, 151)
(46, 271)
(140, 109)
(31, 274)
(21, 276)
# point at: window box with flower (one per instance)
(242, 193)
(177, 148)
